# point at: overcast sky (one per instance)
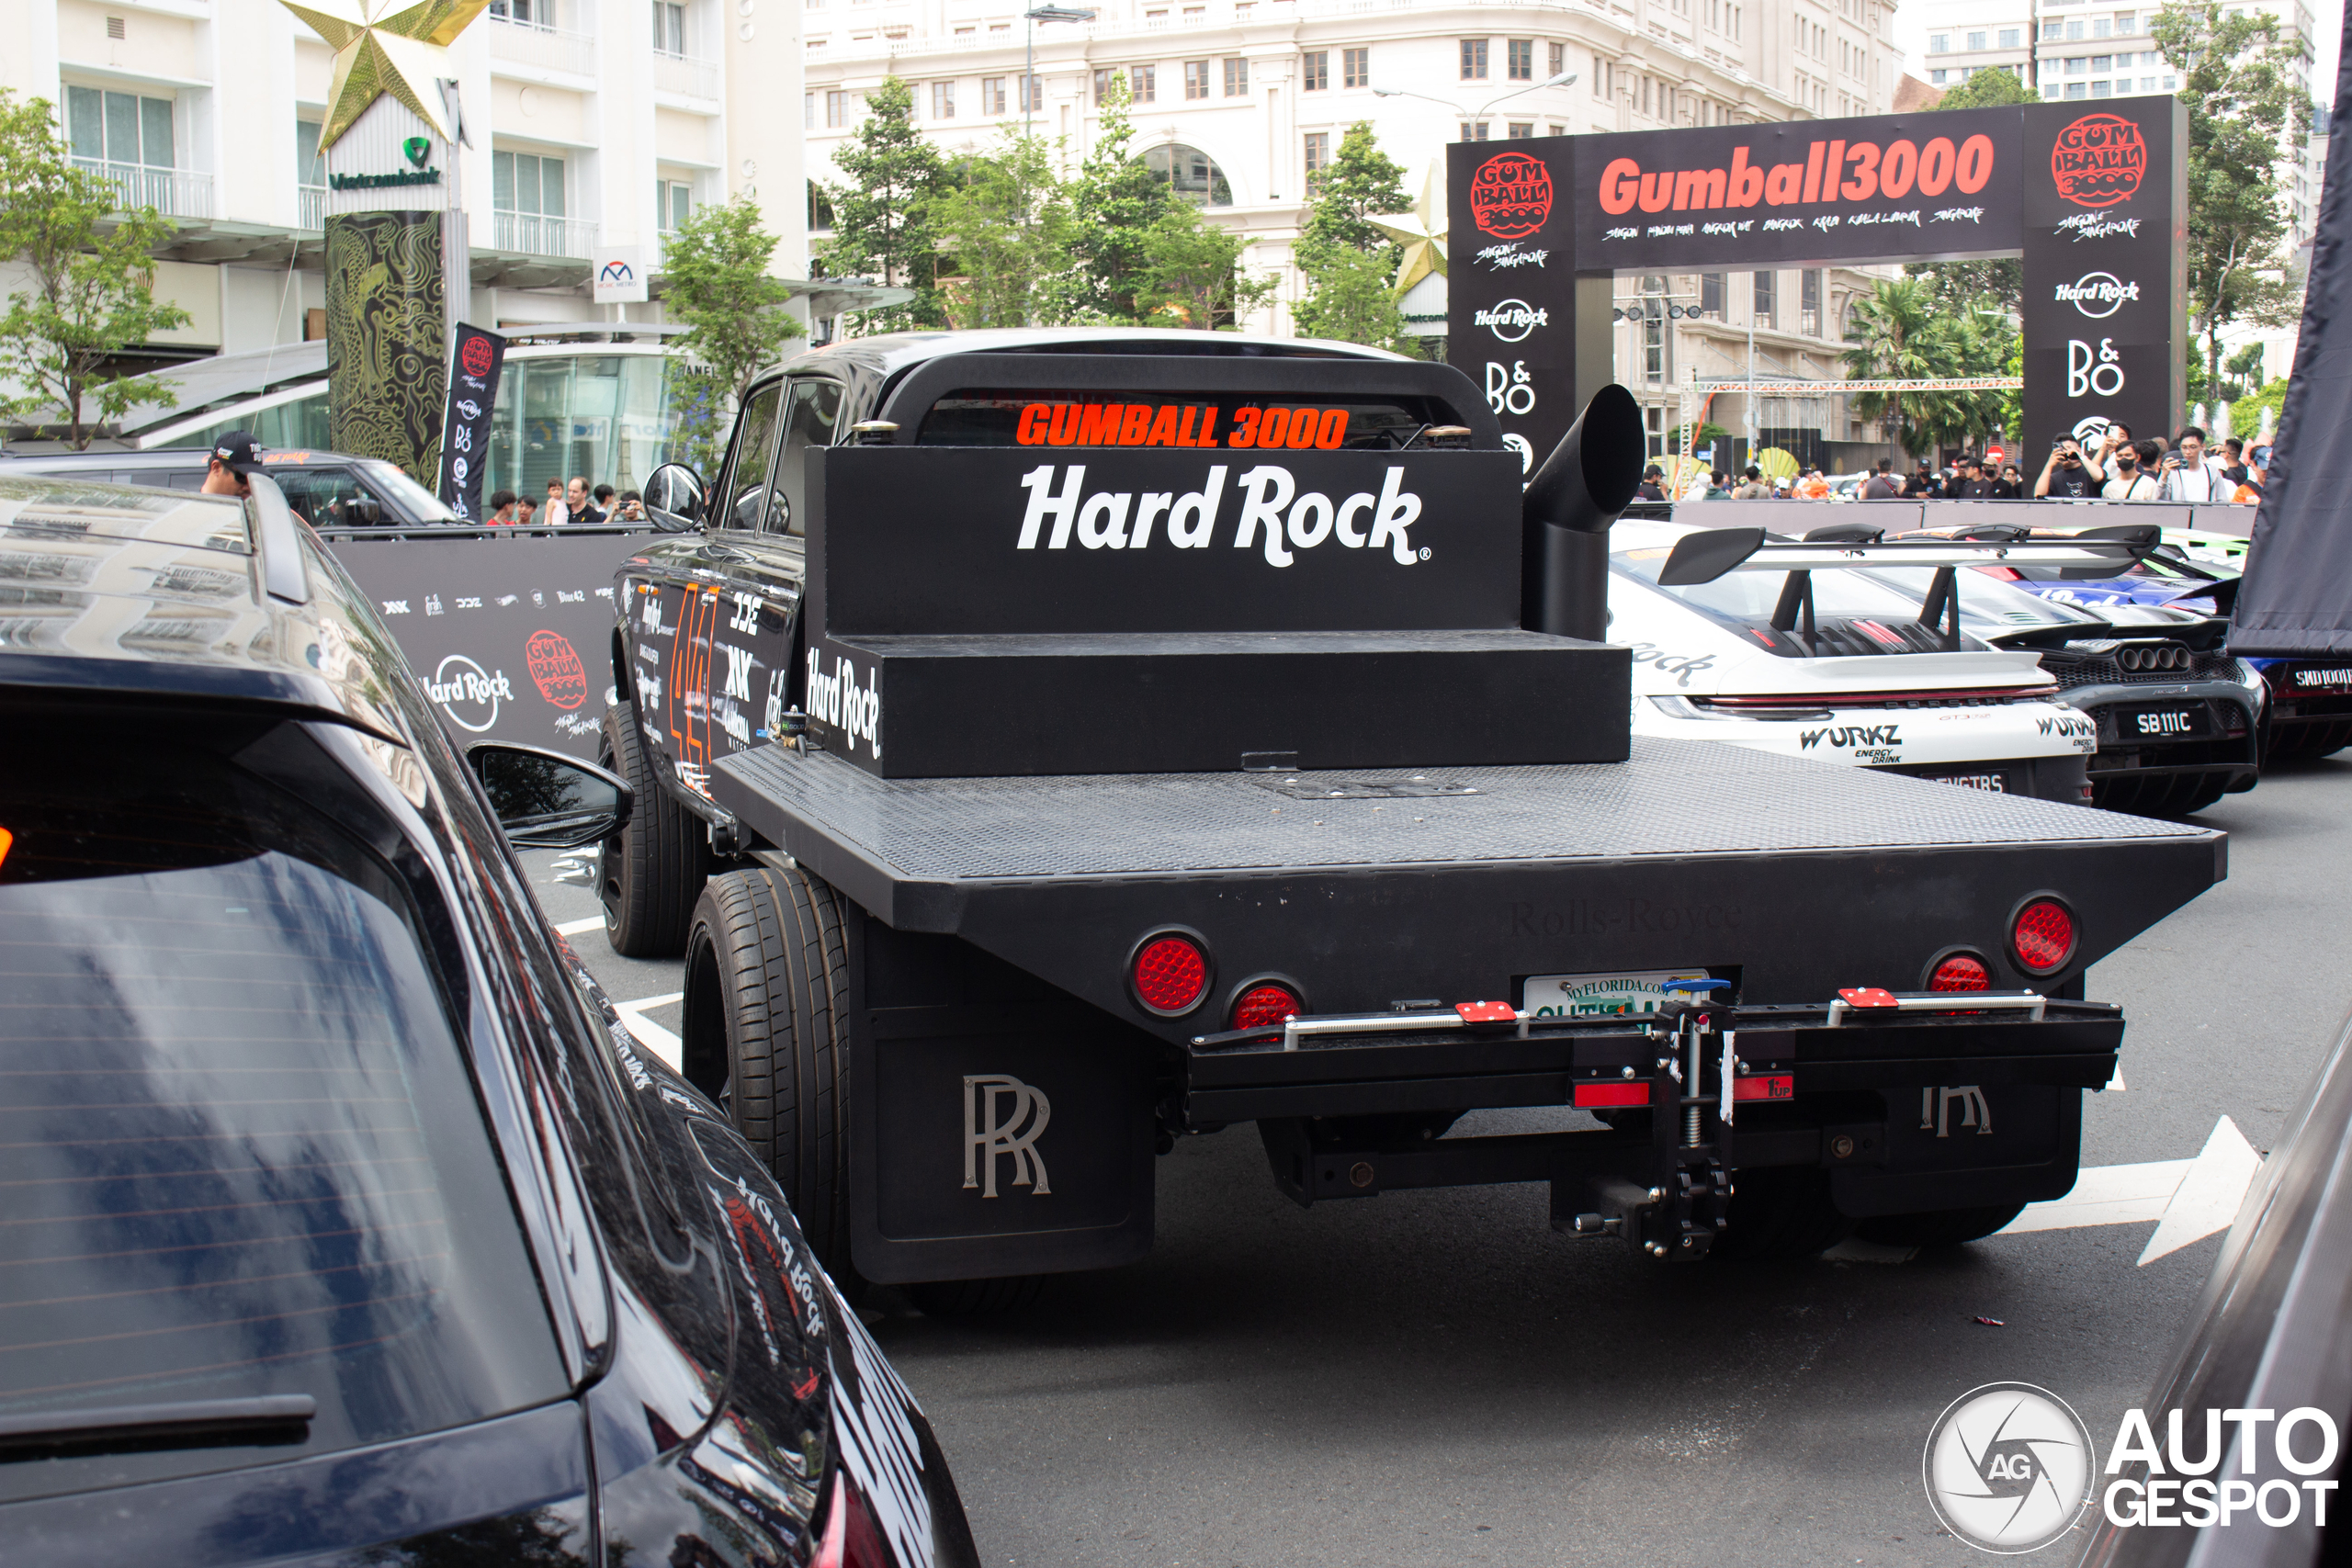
(1911, 37)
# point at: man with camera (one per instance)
(2070, 473)
(2189, 474)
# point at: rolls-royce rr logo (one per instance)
(1003, 1116)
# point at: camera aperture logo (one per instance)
(2009, 1467)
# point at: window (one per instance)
(807, 426)
(1520, 130)
(526, 183)
(836, 109)
(743, 485)
(1315, 71)
(525, 12)
(1711, 294)
(309, 166)
(669, 27)
(119, 129)
(1355, 66)
(1474, 60)
(1656, 354)
(807, 111)
(1599, 77)
(1519, 59)
(1191, 173)
(1035, 91)
(2125, 22)
(2101, 89)
(2075, 30)
(1809, 303)
(992, 95)
(1236, 78)
(1976, 40)
(673, 200)
(1473, 131)
(1936, 78)
(1102, 86)
(2102, 63)
(1143, 84)
(942, 100)
(2008, 38)
(1559, 55)
(2075, 90)
(1939, 43)
(1761, 299)
(1558, 130)
(2051, 30)
(2101, 27)
(1196, 79)
(1319, 158)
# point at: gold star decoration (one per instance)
(1421, 232)
(384, 46)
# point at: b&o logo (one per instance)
(2010, 1466)
(2098, 160)
(468, 694)
(1512, 320)
(2093, 372)
(1004, 1118)
(2098, 295)
(1510, 196)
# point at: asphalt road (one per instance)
(1436, 1378)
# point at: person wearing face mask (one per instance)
(2134, 480)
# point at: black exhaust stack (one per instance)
(1569, 504)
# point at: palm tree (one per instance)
(1897, 335)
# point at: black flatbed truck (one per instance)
(1028, 863)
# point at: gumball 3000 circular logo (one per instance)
(474, 355)
(2098, 160)
(556, 669)
(1510, 196)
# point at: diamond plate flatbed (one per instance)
(904, 849)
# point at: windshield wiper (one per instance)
(282, 1417)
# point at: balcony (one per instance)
(174, 193)
(546, 49)
(310, 211)
(534, 235)
(685, 76)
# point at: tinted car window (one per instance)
(322, 497)
(747, 482)
(240, 1147)
(808, 426)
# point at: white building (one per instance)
(1244, 99)
(591, 121)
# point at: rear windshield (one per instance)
(240, 1152)
(975, 416)
(1855, 611)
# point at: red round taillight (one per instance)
(1263, 1006)
(1960, 972)
(2043, 936)
(1171, 974)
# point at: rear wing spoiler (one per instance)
(1704, 557)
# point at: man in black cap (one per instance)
(1651, 489)
(234, 455)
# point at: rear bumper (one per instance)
(2229, 743)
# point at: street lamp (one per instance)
(1029, 72)
(1564, 79)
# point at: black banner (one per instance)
(2106, 269)
(465, 436)
(2296, 600)
(510, 635)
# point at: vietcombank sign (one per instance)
(2091, 199)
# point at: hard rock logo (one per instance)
(1510, 196)
(2098, 160)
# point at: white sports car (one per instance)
(1865, 665)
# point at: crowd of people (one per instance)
(2118, 468)
(565, 503)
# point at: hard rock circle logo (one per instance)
(2009, 1468)
(2098, 160)
(1510, 196)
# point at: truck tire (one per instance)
(1779, 1212)
(1936, 1228)
(765, 972)
(649, 873)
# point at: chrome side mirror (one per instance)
(545, 800)
(674, 497)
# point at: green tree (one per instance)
(1899, 333)
(1349, 265)
(719, 287)
(1003, 228)
(1997, 284)
(2236, 80)
(1985, 89)
(1112, 205)
(92, 291)
(1192, 274)
(881, 216)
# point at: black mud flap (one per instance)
(997, 1128)
(1960, 1146)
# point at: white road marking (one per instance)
(2189, 1198)
(651, 1035)
(576, 928)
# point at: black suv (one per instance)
(343, 1219)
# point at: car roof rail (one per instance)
(279, 541)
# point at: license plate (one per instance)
(1995, 783)
(1584, 996)
(2161, 721)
